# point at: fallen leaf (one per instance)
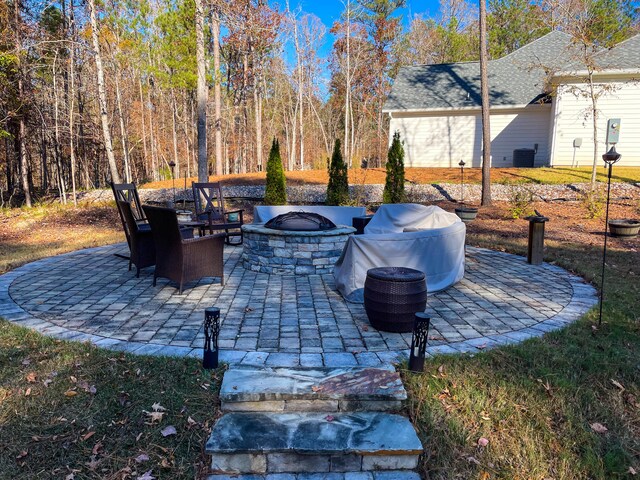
(22, 454)
(483, 442)
(191, 421)
(96, 448)
(87, 436)
(481, 347)
(47, 382)
(27, 392)
(473, 460)
(164, 463)
(93, 463)
(329, 418)
(71, 476)
(143, 457)
(157, 407)
(599, 428)
(70, 393)
(441, 369)
(169, 430)
(147, 476)
(632, 471)
(31, 377)
(617, 384)
(154, 416)
(26, 361)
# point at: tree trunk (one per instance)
(347, 93)
(72, 74)
(484, 92)
(152, 142)
(300, 93)
(123, 133)
(203, 165)
(594, 117)
(144, 129)
(22, 148)
(56, 147)
(217, 94)
(102, 94)
(176, 160)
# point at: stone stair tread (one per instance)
(383, 475)
(363, 433)
(322, 383)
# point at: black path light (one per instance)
(609, 158)
(419, 342)
(172, 165)
(211, 331)
(466, 214)
(462, 164)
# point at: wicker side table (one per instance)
(392, 296)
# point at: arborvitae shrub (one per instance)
(394, 183)
(276, 189)
(338, 187)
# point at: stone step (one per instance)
(298, 442)
(319, 389)
(381, 475)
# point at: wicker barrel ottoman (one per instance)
(392, 296)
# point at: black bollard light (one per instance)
(172, 165)
(609, 158)
(211, 331)
(462, 164)
(419, 342)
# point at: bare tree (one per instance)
(102, 94)
(484, 93)
(217, 90)
(202, 93)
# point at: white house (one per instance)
(537, 102)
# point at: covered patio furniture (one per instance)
(338, 215)
(427, 239)
(183, 260)
(139, 238)
(209, 204)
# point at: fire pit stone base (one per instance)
(284, 252)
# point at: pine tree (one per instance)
(338, 187)
(276, 188)
(394, 183)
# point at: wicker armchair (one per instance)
(127, 192)
(209, 204)
(139, 238)
(183, 260)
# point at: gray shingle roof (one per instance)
(516, 79)
(624, 55)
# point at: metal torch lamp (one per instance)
(419, 342)
(609, 158)
(172, 166)
(461, 165)
(211, 331)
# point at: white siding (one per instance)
(442, 140)
(573, 120)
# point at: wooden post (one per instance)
(535, 251)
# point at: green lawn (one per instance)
(536, 402)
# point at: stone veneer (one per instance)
(291, 252)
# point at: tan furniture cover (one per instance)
(428, 239)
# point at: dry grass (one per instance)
(29, 234)
(558, 175)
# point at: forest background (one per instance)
(74, 73)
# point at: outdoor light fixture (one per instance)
(419, 342)
(211, 331)
(609, 158)
(172, 165)
(461, 164)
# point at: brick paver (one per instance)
(285, 320)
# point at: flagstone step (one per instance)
(311, 389)
(298, 442)
(381, 475)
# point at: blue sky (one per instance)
(330, 10)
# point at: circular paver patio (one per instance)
(89, 295)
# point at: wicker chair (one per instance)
(127, 192)
(209, 204)
(183, 260)
(140, 239)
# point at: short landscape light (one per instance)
(211, 331)
(419, 342)
(609, 158)
(461, 164)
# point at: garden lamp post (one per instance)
(462, 164)
(211, 331)
(172, 166)
(419, 342)
(609, 158)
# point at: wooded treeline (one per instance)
(91, 90)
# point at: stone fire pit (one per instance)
(287, 252)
